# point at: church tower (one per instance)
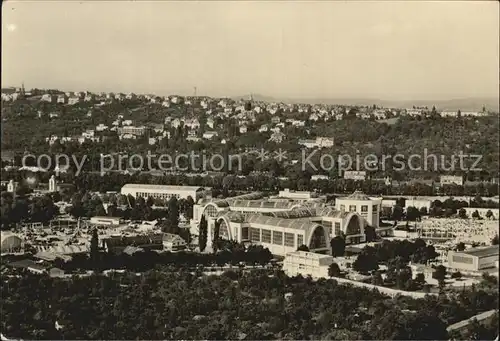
(11, 186)
(52, 184)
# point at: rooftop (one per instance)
(331, 212)
(228, 201)
(482, 251)
(357, 195)
(304, 224)
(263, 204)
(161, 187)
(309, 255)
(27, 263)
(170, 237)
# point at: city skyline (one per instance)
(391, 51)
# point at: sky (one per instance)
(387, 50)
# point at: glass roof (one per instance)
(263, 204)
(228, 201)
(236, 217)
(296, 213)
(304, 224)
(330, 212)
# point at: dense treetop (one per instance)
(255, 305)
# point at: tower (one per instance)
(52, 184)
(11, 186)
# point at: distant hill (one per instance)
(464, 104)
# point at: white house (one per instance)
(74, 100)
(173, 242)
(105, 221)
(319, 142)
(193, 124)
(62, 99)
(319, 177)
(209, 135)
(451, 179)
(88, 133)
(176, 122)
(101, 127)
(314, 117)
(298, 123)
(355, 175)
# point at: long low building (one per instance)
(165, 192)
(307, 263)
(106, 221)
(474, 259)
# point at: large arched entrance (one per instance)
(354, 230)
(318, 239)
(224, 229)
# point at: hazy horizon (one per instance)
(299, 50)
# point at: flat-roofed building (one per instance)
(355, 175)
(165, 192)
(307, 264)
(451, 180)
(474, 259)
(319, 177)
(108, 221)
(132, 130)
(297, 195)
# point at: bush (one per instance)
(456, 275)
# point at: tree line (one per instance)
(221, 183)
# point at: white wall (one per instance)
(371, 216)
